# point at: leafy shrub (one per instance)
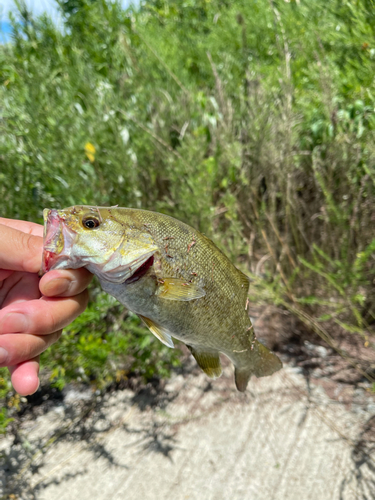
(252, 121)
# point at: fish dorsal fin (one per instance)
(161, 333)
(178, 289)
(209, 361)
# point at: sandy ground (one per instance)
(284, 439)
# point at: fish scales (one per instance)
(171, 275)
(222, 286)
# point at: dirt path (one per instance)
(282, 440)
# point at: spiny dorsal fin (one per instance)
(178, 289)
(209, 361)
(159, 332)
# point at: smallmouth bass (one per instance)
(172, 276)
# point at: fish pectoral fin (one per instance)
(209, 361)
(161, 333)
(178, 289)
(262, 363)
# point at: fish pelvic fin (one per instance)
(209, 361)
(177, 289)
(263, 363)
(160, 333)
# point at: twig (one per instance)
(285, 247)
(219, 87)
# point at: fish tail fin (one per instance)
(242, 378)
(263, 363)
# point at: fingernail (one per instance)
(57, 286)
(3, 355)
(35, 389)
(14, 323)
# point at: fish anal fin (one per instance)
(178, 289)
(262, 363)
(209, 361)
(161, 333)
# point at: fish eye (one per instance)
(90, 222)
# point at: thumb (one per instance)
(20, 251)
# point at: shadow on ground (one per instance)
(363, 457)
(278, 441)
(85, 421)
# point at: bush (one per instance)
(252, 121)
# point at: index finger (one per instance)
(19, 251)
(23, 225)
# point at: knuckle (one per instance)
(80, 279)
(27, 242)
(50, 322)
(30, 246)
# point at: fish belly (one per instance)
(194, 322)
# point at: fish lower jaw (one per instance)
(52, 260)
(49, 260)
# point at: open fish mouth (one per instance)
(57, 241)
(140, 271)
(66, 247)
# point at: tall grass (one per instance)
(252, 121)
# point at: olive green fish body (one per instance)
(168, 273)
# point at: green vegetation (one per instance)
(252, 121)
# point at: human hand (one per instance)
(33, 310)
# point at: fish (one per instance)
(172, 276)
